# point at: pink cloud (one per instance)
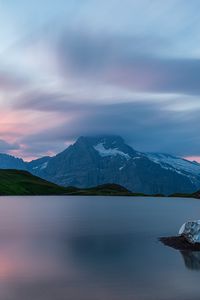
(15, 126)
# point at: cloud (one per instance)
(82, 77)
(10, 82)
(146, 126)
(45, 101)
(6, 147)
(133, 62)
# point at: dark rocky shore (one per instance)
(179, 243)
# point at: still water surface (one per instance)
(95, 248)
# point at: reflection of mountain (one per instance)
(110, 256)
(190, 252)
(102, 249)
(191, 259)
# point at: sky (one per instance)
(71, 68)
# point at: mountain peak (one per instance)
(108, 145)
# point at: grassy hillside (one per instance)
(14, 182)
(105, 189)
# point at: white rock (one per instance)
(191, 231)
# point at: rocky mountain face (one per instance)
(38, 165)
(93, 161)
(11, 162)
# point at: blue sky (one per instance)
(83, 67)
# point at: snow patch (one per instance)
(177, 163)
(110, 151)
(41, 167)
(121, 168)
(44, 165)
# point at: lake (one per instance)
(95, 248)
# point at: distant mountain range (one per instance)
(93, 161)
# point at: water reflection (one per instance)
(92, 248)
(112, 254)
(102, 248)
(191, 259)
(190, 256)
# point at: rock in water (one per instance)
(191, 231)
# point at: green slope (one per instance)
(105, 189)
(14, 182)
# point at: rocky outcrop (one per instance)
(180, 243)
(188, 238)
(191, 231)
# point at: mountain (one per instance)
(94, 161)
(177, 164)
(11, 162)
(38, 165)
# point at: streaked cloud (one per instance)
(95, 67)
